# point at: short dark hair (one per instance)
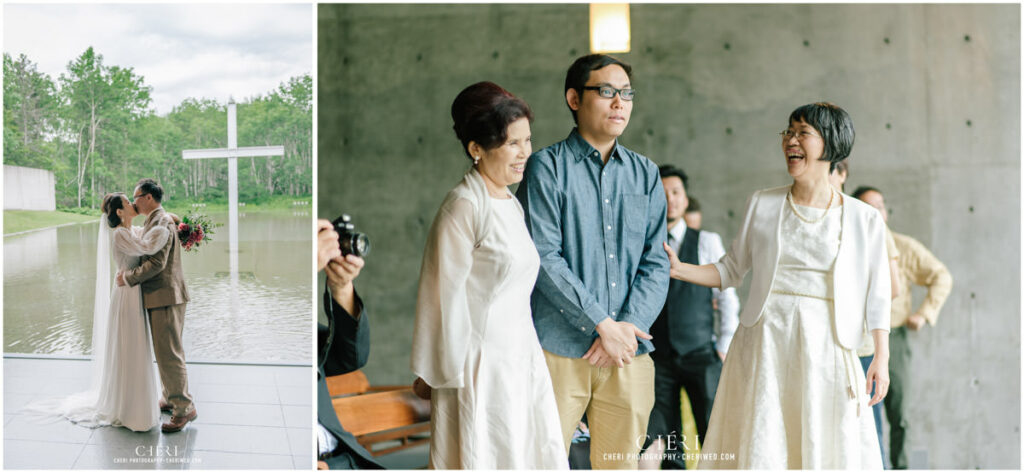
(579, 73)
(482, 113)
(863, 190)
(694, 205)
(842, 166)
(149, 186)
(111, 204)
(669, 170)
(835, 126)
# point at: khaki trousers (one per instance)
(165, 327)
(617, 402)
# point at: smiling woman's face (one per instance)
(803, 150)
(504, 165)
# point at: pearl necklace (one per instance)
(789, 198)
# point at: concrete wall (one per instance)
(29, 189)
(933, 91)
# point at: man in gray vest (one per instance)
(687, 353)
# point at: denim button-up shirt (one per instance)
(599, 230)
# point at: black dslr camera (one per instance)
(351, 241)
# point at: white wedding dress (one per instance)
(124, 390)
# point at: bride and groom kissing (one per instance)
(140, 317)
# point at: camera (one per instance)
(351, 241)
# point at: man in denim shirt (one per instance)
(596, 212)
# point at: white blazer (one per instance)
(861, 290)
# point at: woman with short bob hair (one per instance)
(792, 392)
(475, 348)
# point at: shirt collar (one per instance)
(678, 231)
(581, 149)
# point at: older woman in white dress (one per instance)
(792, 392)
(475, 349)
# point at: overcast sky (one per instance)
(185, 50)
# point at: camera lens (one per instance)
(355, 243)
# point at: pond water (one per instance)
(49, 280)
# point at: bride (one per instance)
(123, 388)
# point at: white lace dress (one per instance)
(125, 391)
(790, 396)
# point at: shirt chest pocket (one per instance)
(634, 206)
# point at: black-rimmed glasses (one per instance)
(607, 91)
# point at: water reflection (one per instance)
(49, 280)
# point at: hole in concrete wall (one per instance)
(727, 46)
(494, 55)
(807, 43)
(888, 126)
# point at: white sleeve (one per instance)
(728, 302)
(443, 324)
(136, 243)
(733, 266)
(879, 297)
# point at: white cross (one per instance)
(232, 153)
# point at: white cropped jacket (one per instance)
(861, 290)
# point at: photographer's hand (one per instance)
(340, 274)
(327, 243)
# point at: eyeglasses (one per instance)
(803, 135)
(607, 91)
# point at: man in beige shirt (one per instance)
(164, 296)
(917, 266)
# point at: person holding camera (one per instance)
(343, 346)
(474, 345)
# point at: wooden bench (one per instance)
(379, 414)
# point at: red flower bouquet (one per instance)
(194, 229)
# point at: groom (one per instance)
(164, 295)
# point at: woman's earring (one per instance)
(476, 160)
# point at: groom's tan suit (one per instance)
(164, 295)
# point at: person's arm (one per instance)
(730, 269)
(894, 269)
(136, 243)
(928, 271)
(728, 302)
(877, 305)
(348, 335)
(649, 287)
(542, 205)
(150, 266)
(878, 371)
(443, 324)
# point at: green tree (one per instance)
(29, 114)
(98, 100)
